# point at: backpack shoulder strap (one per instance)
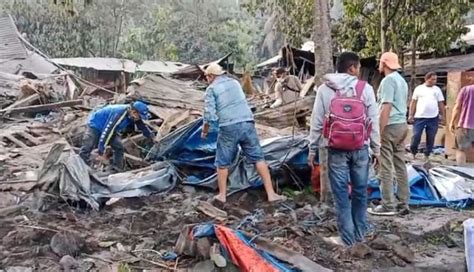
(359, 88)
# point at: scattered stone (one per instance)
(68, 263)
(404, 252)
(360, 250)
(203, 246)
(207, 265)
(393, 238)
(380, 243)
(189, 189)
(66, 243)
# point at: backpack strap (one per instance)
(359, 88)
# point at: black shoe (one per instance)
(403, 209)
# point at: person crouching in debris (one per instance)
(345, 120)
(225, 103)
(286, 87)
(105, 126)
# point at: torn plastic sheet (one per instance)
(65, 172)
(423, 191)
(185, 148)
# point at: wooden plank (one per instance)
(170, 122)
(136, 160)
(45, 107)
(23, 102)
(211, 211)
(30, 138)
(15, 141)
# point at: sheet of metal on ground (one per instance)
(185, 148)
(66, 172)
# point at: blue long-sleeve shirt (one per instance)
(113, 119)
(225, 102)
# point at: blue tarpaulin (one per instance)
(422, 192)
(185, 149)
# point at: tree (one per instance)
(436, 24)
(322, 40)
(191, 31)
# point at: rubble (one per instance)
(52, 211)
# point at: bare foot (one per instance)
(220, 198)
(276, 198)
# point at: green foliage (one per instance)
(435, 24)
(294, 18)
(190, 31)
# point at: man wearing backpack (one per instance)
(392, 96)
(345, 120)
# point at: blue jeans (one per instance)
(351, 213)
(229, 139)
(430, 125)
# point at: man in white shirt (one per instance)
(425, 108)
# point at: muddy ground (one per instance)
(130, 234)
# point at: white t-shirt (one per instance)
(427, 99)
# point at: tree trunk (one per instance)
(413, 65)
(322, 40)
(384, 45)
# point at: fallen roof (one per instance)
(165, 92)
(453, 63)
(31, 63)
(195, 71)
(99, 64)
(161, 67)
(11, 46)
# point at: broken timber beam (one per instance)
(23, 102)
(44, 107)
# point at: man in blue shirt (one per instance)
(226, 104)
(105, 126)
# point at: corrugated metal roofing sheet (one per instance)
(161, 67)
(11, 46)
(32, 63)
(99, 64)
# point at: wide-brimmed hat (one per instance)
(391, 60)
(214, 69)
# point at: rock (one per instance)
(203, 247)
(68, 263)
(393, 238)
(189, 189)
(360, 250)
(66, 243)
(207, 266)
(404, 252)
(380, 243)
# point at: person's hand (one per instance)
(411, 119)
(104, 159)
(311, 160)
(204, 135)
(376, 160)
(452, 128)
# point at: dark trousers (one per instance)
(430, 126)
(90, 141)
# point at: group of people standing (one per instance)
(351, 129)
(348, 164)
